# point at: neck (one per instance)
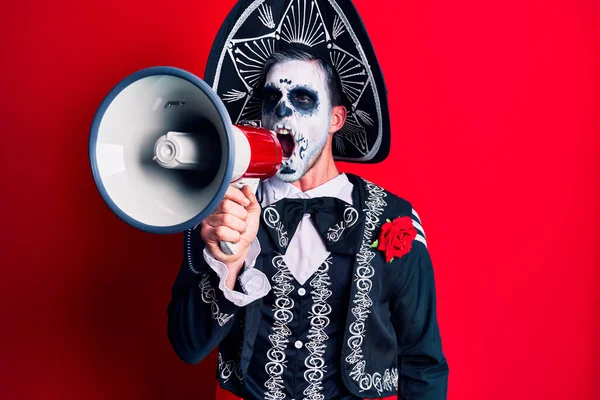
(323, 170)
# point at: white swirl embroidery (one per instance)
(350, 218)
(362, 302)
(207, 292)
(208, 295)
(225, 368)
(319, 320)
(273, 221)
(280, 331)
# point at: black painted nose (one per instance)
(282, 110)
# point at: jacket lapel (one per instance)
(371, 203)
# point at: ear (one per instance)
(338, 118)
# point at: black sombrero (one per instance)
(330, 29)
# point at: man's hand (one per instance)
(235, 220)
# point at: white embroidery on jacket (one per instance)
(273, 221)
(208, 295)
(363, 303)
(350, 218)
(319, 321)
(280, 331)
(207, 292)
(225, 368)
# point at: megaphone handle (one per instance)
(228, 247)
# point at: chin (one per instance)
(289, 175)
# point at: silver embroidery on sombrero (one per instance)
(338, 27)
(350, 218)
(273, 221)
(282, 315)
(233, 95)
(319, 321)
(375, 204)
(353, 75)
(266, 16)
(302, 22)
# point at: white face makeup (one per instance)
(297, 107)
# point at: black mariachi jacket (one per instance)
(391, 341)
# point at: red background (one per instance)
(496, 141)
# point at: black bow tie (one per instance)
(335, 220)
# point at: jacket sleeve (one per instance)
(199, 316)
(422, 367)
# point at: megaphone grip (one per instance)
(228, 247)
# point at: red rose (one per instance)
(396, 237)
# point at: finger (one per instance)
(223, 233)
(234, 194)
(228, 220)
(204, 228)
(253, 206)
(227, 206)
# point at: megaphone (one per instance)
(163, 151)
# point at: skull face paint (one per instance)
(297, 107)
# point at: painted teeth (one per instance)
(283, 131)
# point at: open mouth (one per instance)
(286, 139)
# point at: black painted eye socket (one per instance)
(271, 95)
(304, 99)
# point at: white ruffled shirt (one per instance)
(306, 251)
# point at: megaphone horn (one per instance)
(163, 151)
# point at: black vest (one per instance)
(299, 342)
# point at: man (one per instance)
(324, 299)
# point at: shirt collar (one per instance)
(275, 189)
